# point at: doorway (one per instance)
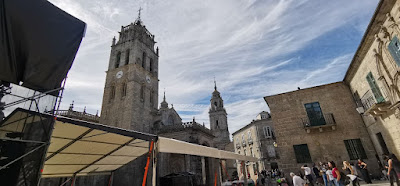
(382, 143)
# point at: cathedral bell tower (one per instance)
(130, 97)
(218, 119)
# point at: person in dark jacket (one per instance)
(364, 171)
(393, 168)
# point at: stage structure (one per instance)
(81, 148)
(38, 45)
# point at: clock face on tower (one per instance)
(148, 79)
(119, 74)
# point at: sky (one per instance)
(253, 48)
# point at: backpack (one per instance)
(344, 179)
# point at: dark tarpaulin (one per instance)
(38, 43)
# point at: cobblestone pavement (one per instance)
(377, 183)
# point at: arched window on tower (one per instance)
(151, 98)
(123, 92)
(216, 124)
(142, 93)
(117, 60)
(144, 55)
(151, 65)
(127, 56)
(112, 92)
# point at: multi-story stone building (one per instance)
(319, 124)
(256, 139)
(373, 77)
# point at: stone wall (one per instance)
(326, 144)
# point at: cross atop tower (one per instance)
(138, 20)
(139, 11)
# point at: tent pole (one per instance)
(215, 179)
(146, 169)
(226, 172)
(203, 170)
(155, 153)
(220, 174)
(110, 181)
(73, 180)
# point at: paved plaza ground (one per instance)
(377, 183)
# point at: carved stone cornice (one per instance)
(384, 34)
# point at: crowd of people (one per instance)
(330, 174)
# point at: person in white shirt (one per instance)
(307, 172)
(297, 181)
(330, 177)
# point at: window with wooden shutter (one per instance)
(394, 49)
(375, 88)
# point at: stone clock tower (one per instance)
(130, 97)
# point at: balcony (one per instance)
(327, 121)
(244, 144)
(238, 145)
(250, 141)
(375, 106)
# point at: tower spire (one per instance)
(164, 103)
(164, 94)
(215, 84)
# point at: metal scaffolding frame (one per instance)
(5, 89)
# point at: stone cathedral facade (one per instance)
(130, 101)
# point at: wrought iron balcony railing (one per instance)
(375, 105)
(326, 119)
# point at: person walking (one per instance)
(318, 176)
(307, 172)
(323, 170)
(336, 174)
(393, 166)
(297, 180)
(329, 177)
(364, 171)
(350, 172)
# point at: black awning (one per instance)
(38, 43)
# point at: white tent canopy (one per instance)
(76, 147)
(168, 145)
(79, 148)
